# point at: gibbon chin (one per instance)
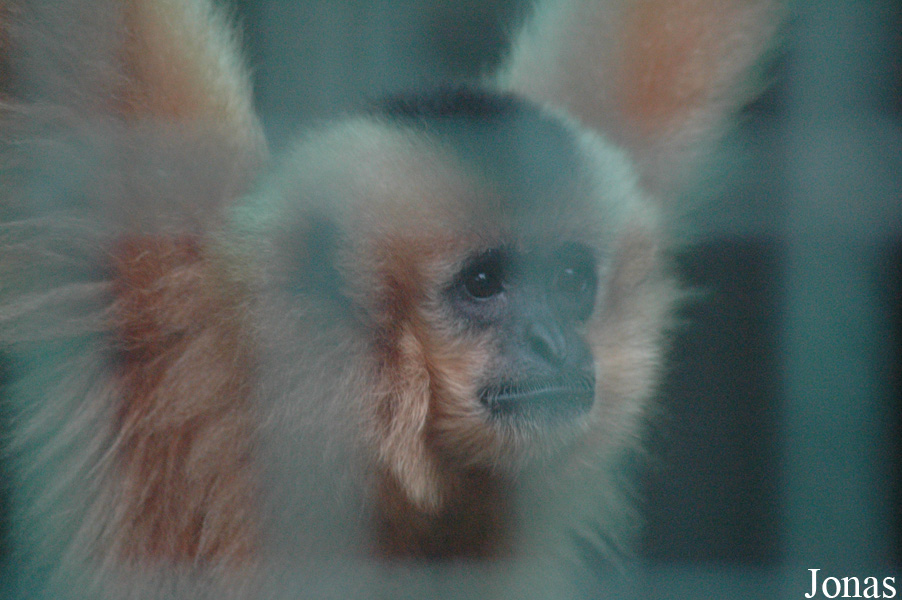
(413, 355)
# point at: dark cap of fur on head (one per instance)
(529, 153)
(462, 101)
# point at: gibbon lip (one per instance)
(555, 397)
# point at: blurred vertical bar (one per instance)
(844, 166)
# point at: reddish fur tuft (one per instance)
(682, 58)
(180, 62)
(426, 506)
(184, 430)
(474, 523)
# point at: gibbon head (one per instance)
(501, 264)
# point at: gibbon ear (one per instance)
(659, 77)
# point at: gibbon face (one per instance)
(479, 243)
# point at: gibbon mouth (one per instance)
(555, 397)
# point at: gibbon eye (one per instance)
(575, 278)
(485, 276)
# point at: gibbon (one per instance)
(412, 356)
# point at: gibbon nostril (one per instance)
(546, 341)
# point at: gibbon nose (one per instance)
(546, 341)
